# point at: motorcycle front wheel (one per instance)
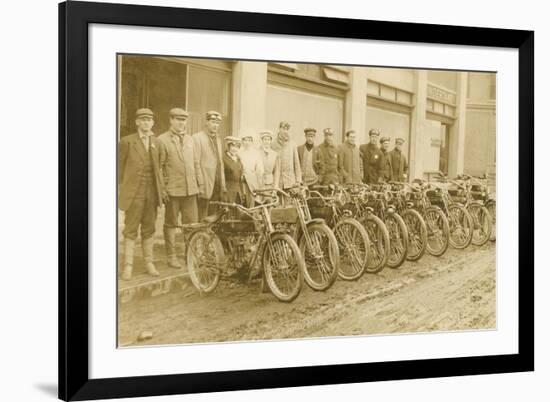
(283, 267)
(322, 256)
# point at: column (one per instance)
(458, 129)
(249, 98)
(356, 104)
(418, 121)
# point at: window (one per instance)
(153, 83)
(209, 89)
(391, 124)
(304, 109)
(164, 83)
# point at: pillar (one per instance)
(356, 104)
(418, 121)
(249, 98)
(458, 129)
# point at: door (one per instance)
(432, 147)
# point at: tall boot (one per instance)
(128, 259)
(147, 245)
(170, 241)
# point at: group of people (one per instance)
(186, 171)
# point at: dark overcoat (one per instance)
(399, 165)
(385, 167)
(234, 180)
(329, 172)
(372, 157)
(132, 159)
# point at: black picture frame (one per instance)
(74, 19)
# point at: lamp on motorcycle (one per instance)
(341, 198)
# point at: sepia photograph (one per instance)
(265, 200)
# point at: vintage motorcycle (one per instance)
(316, 240)
(353, 240)
(359, 196)
(480, 191)
(240, 239)
(378, 200)
(416, 226)
(460, 222)
(437, 223)
(481, 218)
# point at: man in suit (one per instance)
(182, 177)
(385, 161)
(308, 155)
(140, 190)
(351, 164)
(270, 159)
(291, 172)
(209, 154)
(328, 160)
(399, 164)
(371, 155)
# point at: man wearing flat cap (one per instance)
(385, 162)
(291, 172)
(182, 179)
(351, 165)
(210, 154)
(140, 190)
(329, 172)
(399, 164)
(253, 167)
(372, 156)
(308, 154)
(270, 159)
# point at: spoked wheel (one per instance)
(399, 240)
(482, 224)
(283, 267)
(492, 208)
(322, 257)
(353, 243)
(460, 226)
(205, 259)
(438, 231)
(418, 234)
(379, 241)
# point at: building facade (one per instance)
(447, 118)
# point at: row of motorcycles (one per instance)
(318, 234)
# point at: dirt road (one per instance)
(453, 292)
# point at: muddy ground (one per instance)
(453, 292)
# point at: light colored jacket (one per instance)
(253, 168)
(291, 172)
(210, 161)
(272, 168)
(179, 165)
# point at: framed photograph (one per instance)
(259, 200)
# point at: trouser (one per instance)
(186, 206)
(202, 203)
(142, 213)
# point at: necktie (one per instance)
(145, 140)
